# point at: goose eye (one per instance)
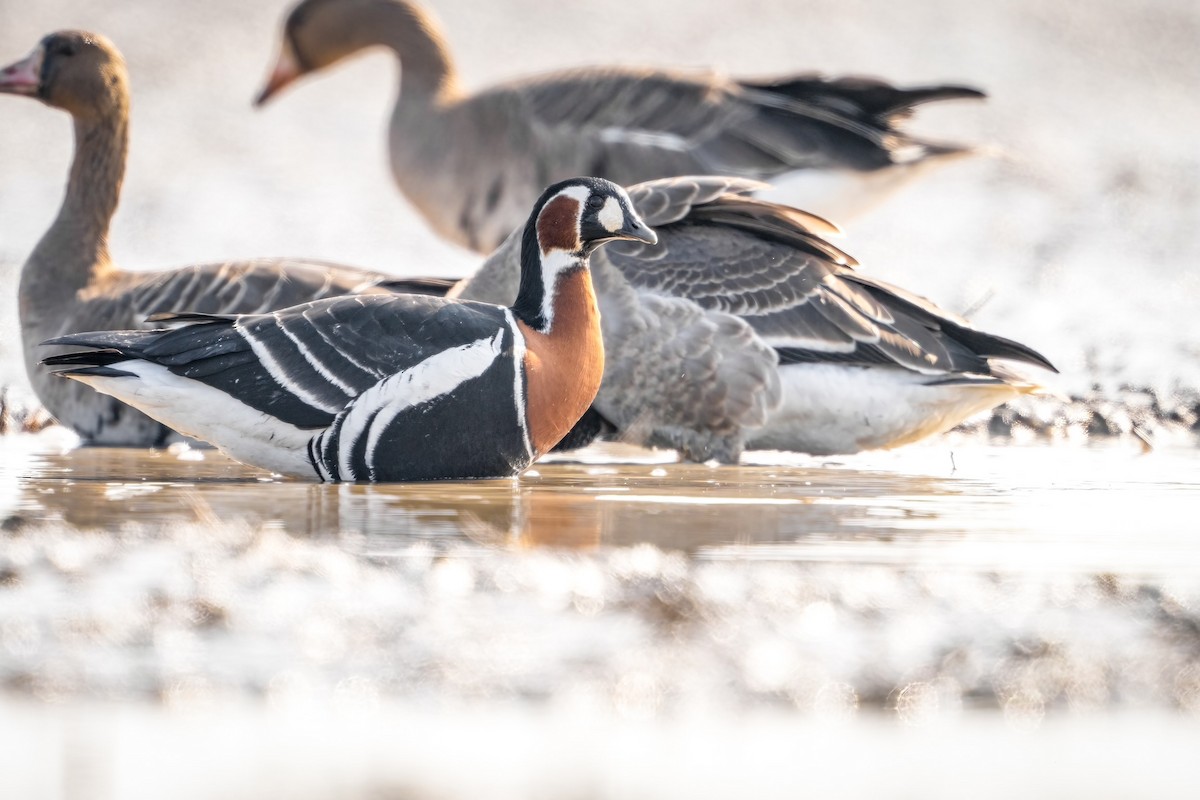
(66, 49)
(595, 202)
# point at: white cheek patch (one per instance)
(611, 216)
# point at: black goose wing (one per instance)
(304, 364)
(631, 125)
(767, 264)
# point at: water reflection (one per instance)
(1029, 508)
(576, 505)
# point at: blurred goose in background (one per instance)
(395, 388)
(69, 282)
(472, 163)
(744, 328)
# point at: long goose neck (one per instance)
(427, 69)
(564, 358)
(74, 250)
(539, 292)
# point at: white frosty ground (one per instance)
(283, 666)
(354, 752)
(199, 614)
(1081, 237)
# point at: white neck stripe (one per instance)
(554, 264)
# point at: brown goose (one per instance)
(69, 282)
(743, 327)
(472, 163)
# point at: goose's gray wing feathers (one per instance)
(678, 375)
(695, 327)
(236, 287)
(123, 300)
(248, 287)
(660, 203)
(635, 124)
(764, 264)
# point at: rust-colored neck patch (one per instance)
(558, 226)
(563, 368)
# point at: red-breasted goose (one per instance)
(387, 388)
(69, 282)
(744, 328)
(472, 163)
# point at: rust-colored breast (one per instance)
(564, 367)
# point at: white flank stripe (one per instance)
(281, 377)
(519, 380)
(437, 375)
(346, 388)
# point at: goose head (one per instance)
(574, 217)
(320, 33)
(82, 73)
(568, 223)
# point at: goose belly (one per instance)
(834, 409)
(200, 411)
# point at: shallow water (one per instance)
(1003, 507)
